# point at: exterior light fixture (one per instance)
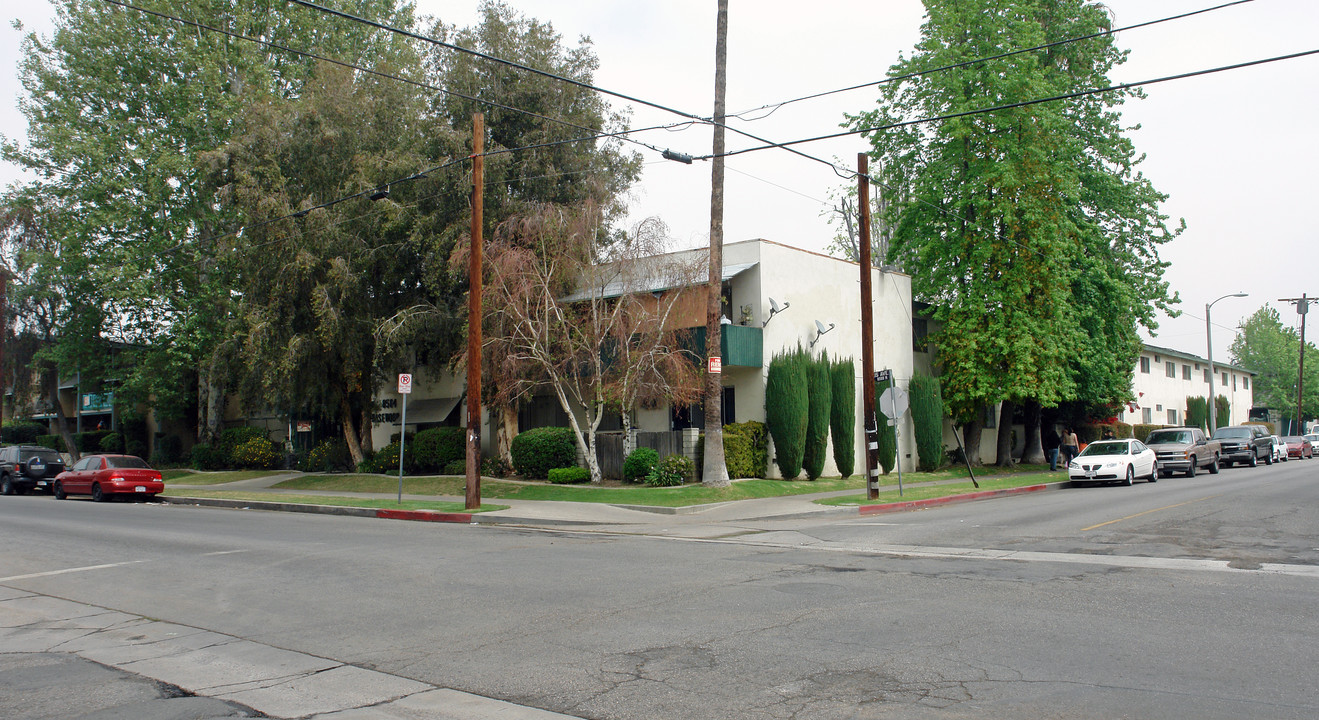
(774, 309)
(820, 329)
(1209, 339)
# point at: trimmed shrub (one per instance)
(786, 407)
(435, 448)
(536, 452)
(842, 415)
(458, 467)
(819, 393)
(887, 435)
(90, 441)
(22, 432)
(112, 443)
(256, 453)
(231, 438)
(672, 471)
(207, 457)
(1140, 432)
(927, 417)
(1197, 412)
(569, 475)
(1222, 412)
(385, 461)
(492, 467)
(640, 461)
(330, 455)
(54, 442)
(746, 449)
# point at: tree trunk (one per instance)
(971, 433)
(61, 423)
(211, 397)
(1033, 452)
(1004, 456)
(505, 431)
(350, 433)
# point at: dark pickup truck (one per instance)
(28, 467)
(1247, 444)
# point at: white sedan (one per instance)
(1114, 461)
(1279, 449)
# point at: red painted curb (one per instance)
(424, 516)
(948, 500)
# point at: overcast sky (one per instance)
(1236, 151)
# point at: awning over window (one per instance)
(654, 282)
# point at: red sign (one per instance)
(714, 365)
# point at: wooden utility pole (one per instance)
(869, 417)
(474, 317)
(1302, 308)
(714, 472)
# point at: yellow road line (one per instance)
(1147, 512)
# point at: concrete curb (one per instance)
(382, 513)
(886, 508)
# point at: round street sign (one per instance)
(404, 383)
(893, 402)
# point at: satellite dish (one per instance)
(819, 326)
(773, 306)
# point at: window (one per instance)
(1147, 415)
(1186, 372)
(1224, 379)
(920, 331)
(1172, 369)
(1206, 374)
(1234, 381)
(1172, 417)
(1145, 365)
(1245, 382)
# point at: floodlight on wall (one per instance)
(774, 309)
(820, 329)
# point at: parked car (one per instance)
(1314, 440)
(1279, 448)
(1114, 461)
(104, 476)
(1299, 447)
(1244, 444)
(1183, 449)
(28, 467)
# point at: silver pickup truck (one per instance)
(1184, 449)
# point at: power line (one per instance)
(968, 63)
(1024, 103)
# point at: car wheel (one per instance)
(59, 491)
(1254, 460)
(1131, 476)
(7, 486)
(1268, 458)
(1213, 468)
(1192, 470)
(97, 494)
(1154, 472)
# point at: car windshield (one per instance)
(1104, 448)
(1169, 436)
(126, 461)
(1232, 433)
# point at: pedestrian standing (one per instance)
(1051, 443)
(1071, 445)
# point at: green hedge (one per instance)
(329, 455)
(842, 415)
(887, 434)
(672, 471)
(927, 419)
(1197, 412)
(746, 449)
(169, 450)
(1141, 431)
(22, 432)
(536, 452)
(434, 449)
(787, 404)
(569, 475)
(51, 441)
(819, 393)
(207, 457)
(639, 463)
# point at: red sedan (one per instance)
(1298, 447)
(104, 476)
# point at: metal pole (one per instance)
(868, 417)
(473, 498)
(402, 445)
(897, 441)
(1303, 307)
(1209, 336)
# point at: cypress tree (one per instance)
(888, 434)
(842, 415)
(820, 396)
(786, 407)
(927, 417)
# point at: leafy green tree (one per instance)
(1197, 412)
(927, 420)
(819, 390)
(787, 405)
(1272, 350)
(842, 415)
(1027, 229)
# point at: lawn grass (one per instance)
(184, 476)
(382, 504)
(927, 491)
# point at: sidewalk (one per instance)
(715, 518)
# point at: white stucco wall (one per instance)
(1159, 393)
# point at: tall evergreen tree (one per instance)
(842, 415)
(1028, 229)
(787, 405)
(819, 389)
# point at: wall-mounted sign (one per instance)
(714, 365)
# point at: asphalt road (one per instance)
(1189, 598)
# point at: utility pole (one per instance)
(473, 497)
(1302, 308)
(714, 472)
(868, 417)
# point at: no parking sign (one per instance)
(404, 383)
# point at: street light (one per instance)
(1209, 336)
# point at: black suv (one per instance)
(1245, 444)
(27, 467)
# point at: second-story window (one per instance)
(1186, 372)
(1145, 365)
(1171, 369)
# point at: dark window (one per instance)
(1171, 369)
(920, 335)
(1186, 372)
(1145, 365)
